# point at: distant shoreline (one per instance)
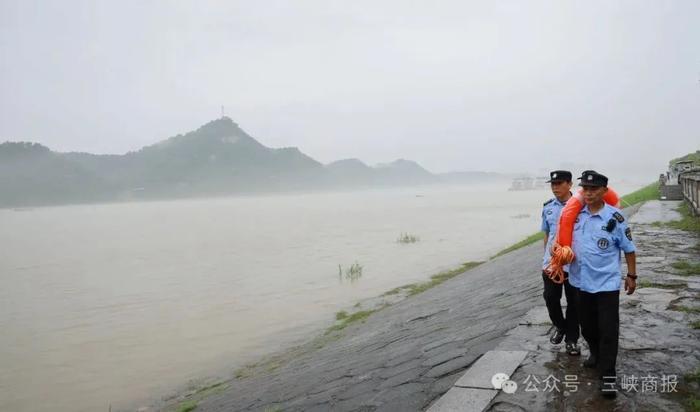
(292, 192)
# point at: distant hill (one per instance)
(403, 172)
(218, 158)
(31, 174)
(351, 172)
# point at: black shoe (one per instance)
(608, 387)
(573, 349)
(557, 336)
(591, 362)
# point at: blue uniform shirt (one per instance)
(596, 267)
(550, 220)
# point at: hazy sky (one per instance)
(454, 85)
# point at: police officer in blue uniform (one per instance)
(560, 181)
(600, 234)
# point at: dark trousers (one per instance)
(600, 325)
(552, 298)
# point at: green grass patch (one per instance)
(693, 376)
(539, 236)
(686, 268)
(647, 284)
(361, 315)
(695, 325)
(649, 192)
(686, 309)
(687, 391)
(341, 315)
(191, 400)
(324, 339)
(394, 291)
(187, 406)
(349, 319)
(688, 222)
(245, 371)
(441, 277)
(268, 364)
(692, 403)
(415, 288)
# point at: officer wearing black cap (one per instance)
(600, 234)
(560, 182)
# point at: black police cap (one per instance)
(593, 178)
(559, 176)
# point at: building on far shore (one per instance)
(529, 183)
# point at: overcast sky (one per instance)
(454, 85)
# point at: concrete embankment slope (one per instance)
(402, 357)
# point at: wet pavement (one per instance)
(656, 337)
(407, 355)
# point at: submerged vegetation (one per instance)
(353, 273)
(407, 238)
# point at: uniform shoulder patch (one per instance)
(548, 202)
(628, 233)
(619, 217)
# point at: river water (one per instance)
(118, 304)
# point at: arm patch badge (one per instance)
(619, 217)
(628, 233)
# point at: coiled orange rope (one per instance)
(561, 251)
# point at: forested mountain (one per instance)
(216, 159)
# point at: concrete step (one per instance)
(480, 384)
(671, 192)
